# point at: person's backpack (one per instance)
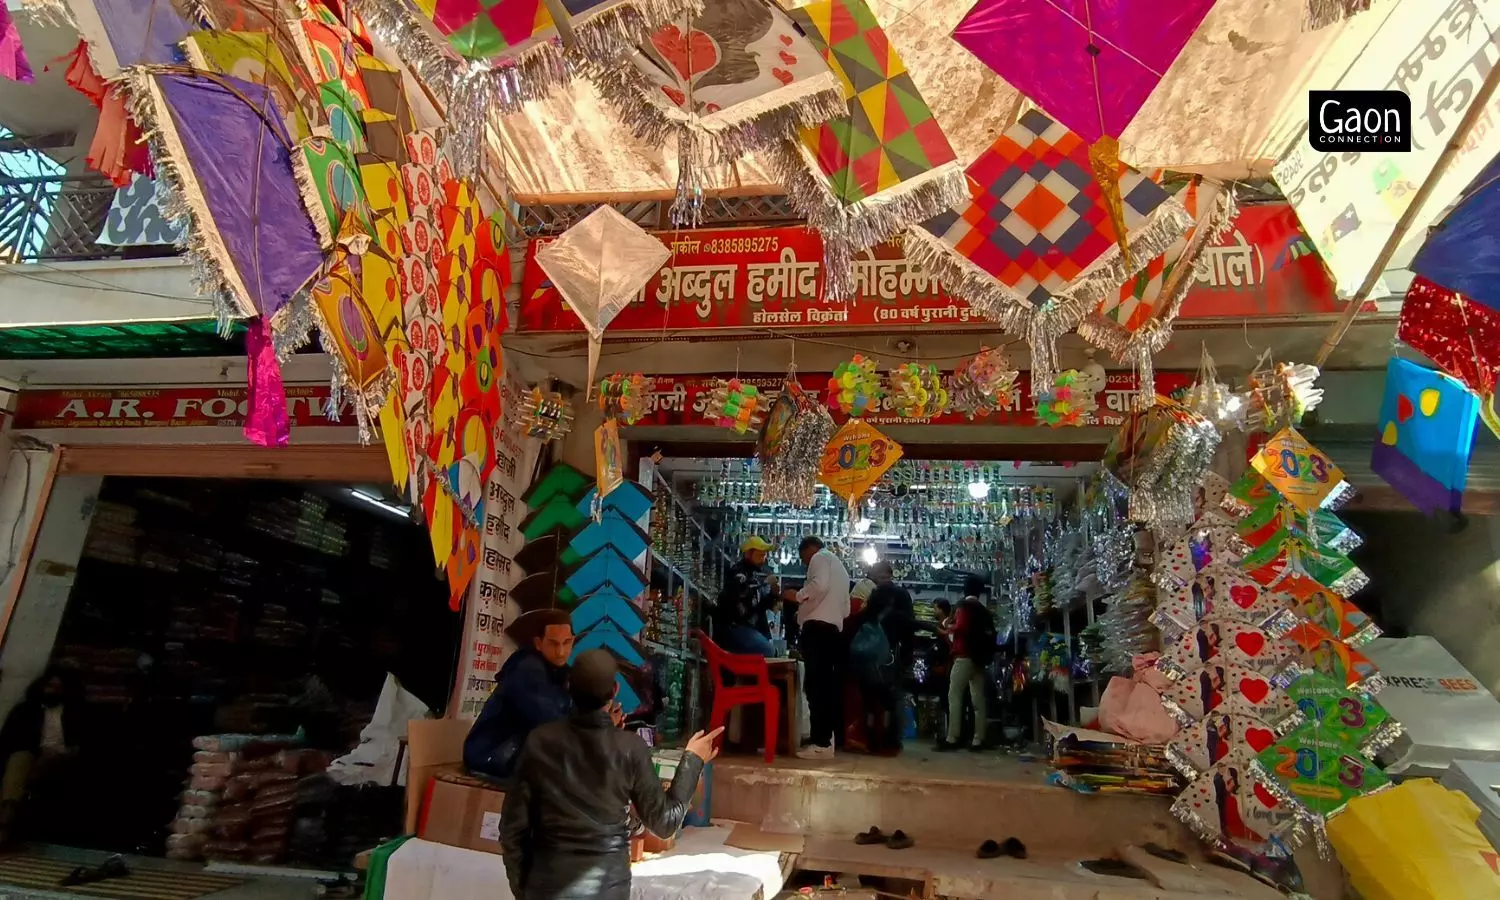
(980, 635)
(871, 657)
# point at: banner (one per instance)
(489, 609)
(1439, 53)
(773, 278)
(174, 407)
(682, 400)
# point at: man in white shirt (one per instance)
(822, 607)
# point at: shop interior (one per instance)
(242, 607)
(1045, 536)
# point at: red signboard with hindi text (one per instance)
(772, 278)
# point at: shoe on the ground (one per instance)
(945, 747)
(900, 840)
(813, 751)
(873, 836)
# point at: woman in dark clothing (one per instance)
(890, 606)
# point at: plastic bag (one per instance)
(1416, 841)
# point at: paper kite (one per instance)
(13, 62)
(250, 228)
(599, 266)
(1462, 251)
(1034, 247)
(1089, 64)
(496, 55)
(1426, 435)
(1461, 336)
(863, 178)
(738, 78)
(1136, 322)
(255, 57)
(126, 33)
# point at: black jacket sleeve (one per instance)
(515, 828)
(662, 811)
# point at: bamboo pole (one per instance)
(562, 21)
(1476, 109)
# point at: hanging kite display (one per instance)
(796, 432)
(1090, 65)
(599, 266)
(1034, 247)
(883, 167)
(1426, 435)
(545, 415)
(486, 56)
(625, 397)
(739, 77)
(1461, 336)
(984, 384)
(13, 62)
(1135, 323)
(248, 268)
(855, 388)
(916, 391)
(1462, 251)
(855, 459)
(736, 405)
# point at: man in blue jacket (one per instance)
(531, 690)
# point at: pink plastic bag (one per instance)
(1131, 707)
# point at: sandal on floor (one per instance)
(989, 850)
(1117, 867)
(1012, 848)
(873, 836)
(899, 840)
(1160, 852)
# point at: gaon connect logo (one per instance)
(1374, 121)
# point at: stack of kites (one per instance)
(796, 430)
(331, 214)
(1161, 454)
(1261, 641)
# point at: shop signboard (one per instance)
(1350, 200)
(166, 407)
(489, 608)
(683, 399)
(772, 278)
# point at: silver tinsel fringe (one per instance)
(791, 477)
(54, 13)
(1124, 346)
(1322, 13)
(201, 244)
(869, 222)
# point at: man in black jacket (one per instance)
(530, 691)
(564, 830)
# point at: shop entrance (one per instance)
(1022, 528)
(207, 607)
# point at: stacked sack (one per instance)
(241, 797)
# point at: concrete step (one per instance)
(941, 800)
(955, 875)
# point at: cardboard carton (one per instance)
(462, 811)
(433, 745)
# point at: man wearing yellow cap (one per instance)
(739, 616)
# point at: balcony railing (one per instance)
(58, 218)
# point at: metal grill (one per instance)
(654, 215)
(54, 218)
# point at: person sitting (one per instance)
(565, 827)
(739, 616)
(530, 691)
(38, 745)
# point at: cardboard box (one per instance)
(462, 812)
(432, 745)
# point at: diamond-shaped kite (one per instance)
(856, 458)
(599, 266)
(1427, 425)
(867, 176)
(1090, 64)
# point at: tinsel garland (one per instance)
(1126, 625)
(719, 138)
(475, 91)
(1041, 326)
(1322, 13)
(1139, 347)
(850, 229)
(791, 476)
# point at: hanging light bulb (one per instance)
(862, 525)
(869, 555)
(939, 564)
(979, 489)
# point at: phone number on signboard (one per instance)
(742, 245)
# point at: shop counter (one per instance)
(701, 867)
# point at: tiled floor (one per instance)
(917, 761)
(254, 888)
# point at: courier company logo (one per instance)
(1370, 121)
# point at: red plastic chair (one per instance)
(728, 696)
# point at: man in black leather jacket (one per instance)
(564, 829)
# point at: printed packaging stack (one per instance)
(240, 798)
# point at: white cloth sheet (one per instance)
(700, 867)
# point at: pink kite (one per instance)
(1090, 64)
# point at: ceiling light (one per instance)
(376, 501)
(979, 489)
(863, 525)
(869, 555)
(939, 564)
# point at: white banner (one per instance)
(489, 607)
(1446, 712)
(1439, 53)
